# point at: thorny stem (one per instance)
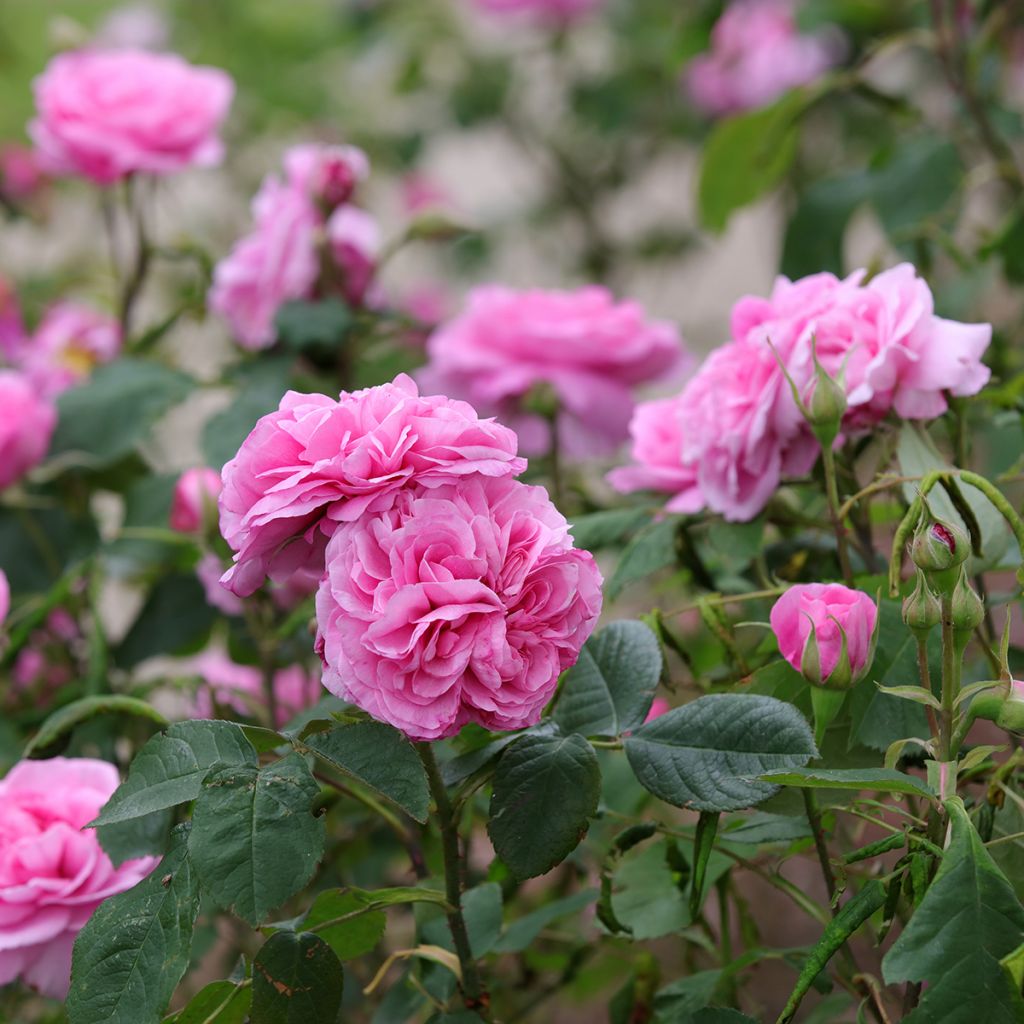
(828, 460)
(472, 989)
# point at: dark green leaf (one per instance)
(545, 792)
(882, 780)
(524, 931)
(598, 530)
(134, 949)
(381, 758)
(651, 549)
(703, 843)
(319, 324)
(610, 688)
(53, 733)
(296, 979)
(255, 838)
(766, 828)
(968, 921)
(221, 1002)
(37, 547)
(708, 755)
(647, 893)
(140, 837)
(916, 183)
(361, 930)
(676, 1003)
(814, 235)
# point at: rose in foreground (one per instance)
(588, 348)
(317, 462)
(462, 603)
(813, 622)
(27, 422)
(53, 872)
(106, 114)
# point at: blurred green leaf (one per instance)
(54, 731)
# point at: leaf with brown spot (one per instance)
(296, 979)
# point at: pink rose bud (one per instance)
(27, 422)
(826, 632)
(53, 872)
(5, 597)
(327, 174)
(104, 115)
(939, 549)
(195, 499)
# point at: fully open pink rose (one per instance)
(827, 607)
(274, 263)
(757, 53)
(317, 462)
(5, 597)
(69, 342)
(26, 425)
(195, 491)
(462, 603)
(590, 349)
(107, 114)
(53, 872)
(327, 174)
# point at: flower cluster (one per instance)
(758, 53)
(735, 431)
(307, 238)
(583, 345)
(450, 592)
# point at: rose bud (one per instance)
(921, 609)
(826, 407)
(937, 549)
(968, 610)
(195, 500)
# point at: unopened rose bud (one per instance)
(922, 611)
(329, 174)
(195, 500)
(826, 407)
(968, 610)
(937, 549)
(1011, 714)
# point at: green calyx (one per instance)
(922, 611)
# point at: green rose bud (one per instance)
(922, 611)
(826, 407)
(968, 610)
(938, 549)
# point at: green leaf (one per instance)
(220, 1002)
(545, 792)
(296, 979)
(106, 417)
(917, 182)
(967, 922)
(610, 688)
(598, 530)
(763, 827)
(53, 733)
(380, 757)
(133, 951)
(361, 930)
(140, 837)
(482, 911)
(703, 844)
(169, 770)
(647, 895)
(708, 755)
(676, 1003)
(651, 549)
(255, 839)
(319, 324)
(745, 156)
(814, 235)
(524, 931)
(850, 917)
(38, 548)
(147, 505)
(881, 780)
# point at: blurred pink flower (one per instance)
(13, 338)
(69, 342)
(553, 11)
(107, 114)
(590, 349)
(195, 499)
(420, 192)
(757, 53)
(21, 177)
(27, 421)
(327, 174)
(316, 462)
(209, 571)
(354, 238)
(53, 872)
(5, 596)
(461, 603)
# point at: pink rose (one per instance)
(354, 238)
(239, 688)
(589, 348)
(829, 609)
(107, 114)
(659, 706)
(317, 462)
(273, 264)
(556, 11)
(69, 342)
(21, 177)
(757, 53)
(420, 193)
(461, 603)
(27, 422)
(53, 872)
(209, 571)
(5, 597)
(195, 499)
(898, 355)
(327, 174)
(657, 431)
(13, 338)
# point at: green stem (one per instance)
(555, 461)
(828, 460)
(814, 820)
(950, 679)
(926, 678)
(472, 989)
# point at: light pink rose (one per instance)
(420, 192)
(898, 355)
(209, 571)
(239, 688)
(657, 431)
(555, 11)
(354, 238)
(317, 462)
(757, 53)
(195, 492)
(827, 608)
(273, 264)
(21, 177)
(461, 603)
(27, 421)
(53, 872)
(5, 596)
(69, 342)
(589, 348)
(327, 174)
(107, 114)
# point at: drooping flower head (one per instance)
(317, 461)
(27, 421)
(461, 603)
(590, 349)
(53, 872)
(104, 115)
